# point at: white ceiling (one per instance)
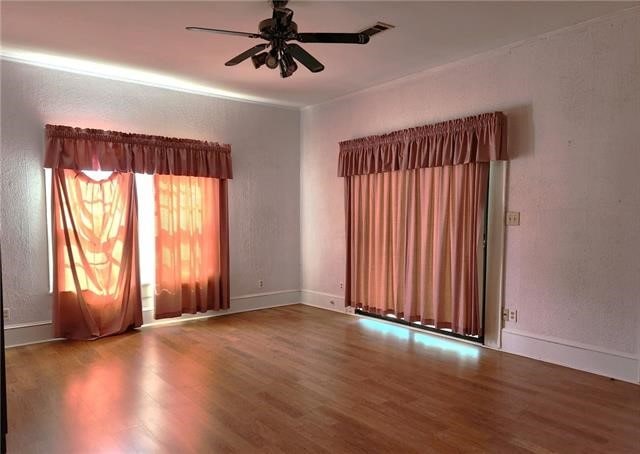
(151, 36)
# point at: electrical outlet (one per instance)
(513, 218)
(510, 315)
(260, 283)
(5, 315)
(341, 284)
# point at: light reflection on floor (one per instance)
(461, 349)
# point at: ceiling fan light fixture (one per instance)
(260, 59)
(271, 60)
(287, 65)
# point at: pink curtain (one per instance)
(192, 252)
(415, 202)
(96, 276)
(481, 138)
(413, 238)
(97, 282)
(95, 149)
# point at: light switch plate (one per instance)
(513, 218)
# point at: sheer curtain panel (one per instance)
(192, 236)
(96, 278)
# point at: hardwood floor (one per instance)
(298, 379)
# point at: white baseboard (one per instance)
(588, 358)
(28, 333)
(242, 303)
(323, 300)
(37, 332)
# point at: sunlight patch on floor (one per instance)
(461, 349)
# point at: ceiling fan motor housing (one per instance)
(267, 28)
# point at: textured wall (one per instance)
(573, 100)
(263, 196)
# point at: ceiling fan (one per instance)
(279, 31)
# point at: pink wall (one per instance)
(573, 100)
(263, 195)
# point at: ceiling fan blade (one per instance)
(223, 32)
(305, 58)
(337, 38)
(246, 54)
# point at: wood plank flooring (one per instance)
(297, 379)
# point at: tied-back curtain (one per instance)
(96, 274)
(192, 269)
(414, 211)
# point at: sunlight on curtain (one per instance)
(146, 228)
(191, 245)
(96, 279)
(97, 212)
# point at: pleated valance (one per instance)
(480, 138)
(95, 149)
